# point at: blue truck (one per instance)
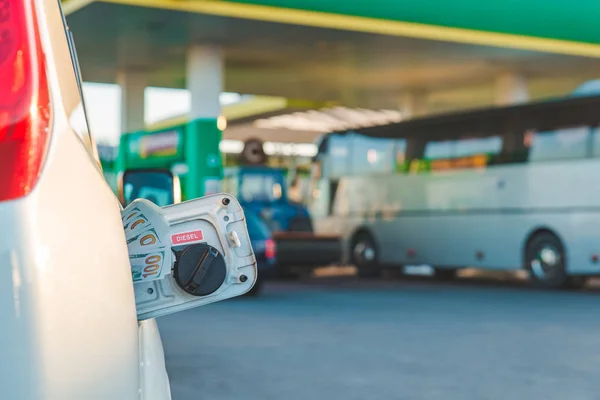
(263, 190)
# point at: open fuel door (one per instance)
(186, 254)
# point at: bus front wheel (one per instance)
(365, 256)
(546, 262)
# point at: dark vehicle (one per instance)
(263, 191)
(264, 248)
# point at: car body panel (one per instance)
(70, 328)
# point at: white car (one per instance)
(70, 329)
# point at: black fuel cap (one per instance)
(200, 269)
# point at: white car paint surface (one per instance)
(69, 323)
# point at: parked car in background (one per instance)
(264, 247)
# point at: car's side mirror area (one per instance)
(160, 186)
(183, 255)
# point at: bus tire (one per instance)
(546, 262)
(365, 256)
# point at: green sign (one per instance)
(191, 151)
(149, 149)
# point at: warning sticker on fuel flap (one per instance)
(186, 237)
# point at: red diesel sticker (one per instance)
(186, 237)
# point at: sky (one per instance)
(103, 104)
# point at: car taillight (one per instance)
(24, 99)
(270, 249)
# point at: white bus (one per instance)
(504, 188)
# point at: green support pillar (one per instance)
(203, 158)
(204, 80)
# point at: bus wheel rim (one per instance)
(364, 252)
(545, 261)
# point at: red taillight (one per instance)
(270, 249)
(24, 99)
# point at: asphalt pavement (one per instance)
(340, 338)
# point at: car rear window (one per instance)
(79, 116)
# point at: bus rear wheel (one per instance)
(546, 262)
(365, 256)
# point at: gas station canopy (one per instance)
(360, 53)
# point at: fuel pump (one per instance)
(187, 254)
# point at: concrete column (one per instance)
(204, 80)
(133, 85)
(413, 104)
(510, 88)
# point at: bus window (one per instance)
(470, 147)
(563, 144)
(463, 147)
(458, 154)
(435, 150)
(336, 165)
(372, 155)
(401, 156)
(400, 150)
